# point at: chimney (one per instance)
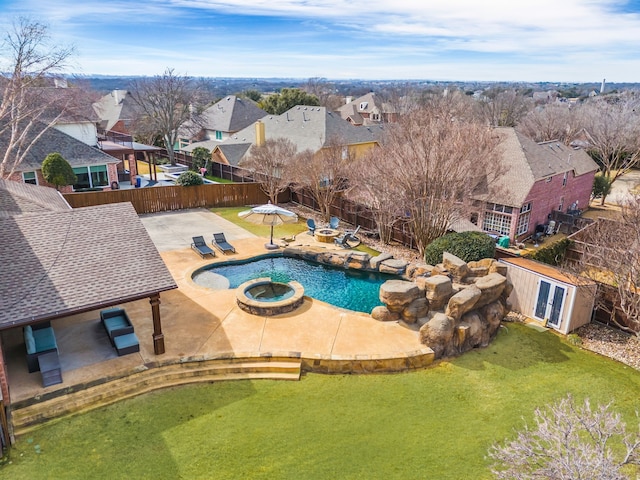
(602, 86)
(259, 133)
(116, 96)
(348, 99)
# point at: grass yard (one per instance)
(435, 423)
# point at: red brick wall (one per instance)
(4, 383)
(545, 196)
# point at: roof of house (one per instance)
(17, 198)
(229, 115)
(308, 128)
(527, 162)
(74, 151)
(114, 106)
(367, 103)
(58, 263)
(69, 105)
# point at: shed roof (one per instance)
(58, 263)
(546, 270)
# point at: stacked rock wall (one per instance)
(456, 305)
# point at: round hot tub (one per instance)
(265, 297)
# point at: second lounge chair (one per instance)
(200, 246)
(220, 242)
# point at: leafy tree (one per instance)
(26, 110)
(601, 186)
(167, 101)
(269, 165)
(569, 441)
(201, 156)
(57, 171)
(189, 178)
(468, 246)
(252, 94)
(287, 98)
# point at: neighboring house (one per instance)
(94, 168)
(307, 127)
(116, 112)
(58, 262)
(367, 110)
(219, 122)
(539, 179)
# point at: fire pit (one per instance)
(326, 235)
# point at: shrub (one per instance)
(200, 157)
(468, 246)
(57, 171)
(554, 253)
(601, 186)
(189, 178)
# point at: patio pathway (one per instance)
(200, 323)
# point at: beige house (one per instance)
(546, 294)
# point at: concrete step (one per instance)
(77, 401)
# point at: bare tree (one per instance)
(322, 174)
(324, 91)
(550, 122)
(168, 101)
(610, 255)
(27, 109)
(613, 126)
(268, 163)
(428, 167)
(504, 109)
(569, 441)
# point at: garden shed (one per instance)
(547, 294)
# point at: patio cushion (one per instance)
(45, 339)
(125, 341)
(114, 323)
(29, 341)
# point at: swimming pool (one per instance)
(346, 288)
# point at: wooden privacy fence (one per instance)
(160, 199)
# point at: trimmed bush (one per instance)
(468, 246)
(189, 178)
(554, 253)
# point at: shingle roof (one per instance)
(234, 152)
(58, 263)
(114, 106)
(308, 128)
(17, 198)
(527, 162)
(74, 151)
(229, 115)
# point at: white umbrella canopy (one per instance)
(269, 214)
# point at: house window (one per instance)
(523, 223)
(496, 207)
(497, 222)
(564, 179)
(561, 206)
(30, 177)
(91, 177)
(525, 208)
(218, 135)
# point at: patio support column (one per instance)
(158, 336)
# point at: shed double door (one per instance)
(550, 302)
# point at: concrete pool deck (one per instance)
(200, 323)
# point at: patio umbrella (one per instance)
(271, 215)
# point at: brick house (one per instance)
(539, 178)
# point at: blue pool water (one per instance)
(351, 289)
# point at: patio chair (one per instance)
(349, 239)
(200, 246)
(220, 242)
(334, 222)
(311, 225)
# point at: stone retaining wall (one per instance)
(456, 305)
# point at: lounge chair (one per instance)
(349, 239)
(200, 246)
(311, 225)
(220, 242)
(334, 222)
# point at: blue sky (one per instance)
(510, 40)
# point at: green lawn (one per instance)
(435, 423)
